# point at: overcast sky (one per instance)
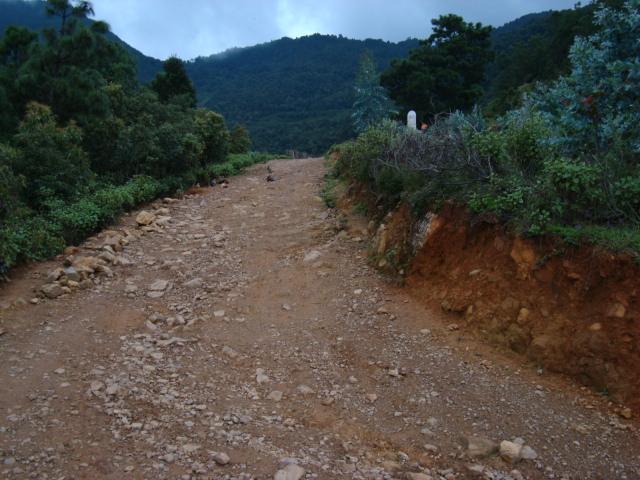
(190, 28)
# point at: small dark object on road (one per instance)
(213, 182)
(271, 178)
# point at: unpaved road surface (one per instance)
(270, 342)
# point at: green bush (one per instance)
(626, 192)
(357, 156)
(239, 140)
(212, 132)
(577, 184)
(49, 158)
(28, 238)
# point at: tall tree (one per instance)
(240, 142)
(372, 103)
(174, 82)
(445, 72)
(68, 11)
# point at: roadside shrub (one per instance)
(26, 238)
(626, 193)
(49, 158)
(239, 140)
(357, 157)
(212, 132)
(11, 186)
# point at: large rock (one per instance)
(524, 256)
(510, 451)
(54, 275)
(528, 453)
(194, 283)
(480, 447)
(159, 286)
(72, 274)
(52, 290)
(145, 218)
(418, 476)
(290, 472)
(312, 256)
(87, 264)
(221, 458)
(114, 242)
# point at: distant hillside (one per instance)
(291, 93)
(31, 14)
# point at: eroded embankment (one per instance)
(570, 310)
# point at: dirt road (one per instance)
(246, 337)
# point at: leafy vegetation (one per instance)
(534, 48)
(565, 163)
(445, 72)
(372, 104)
(82, 141)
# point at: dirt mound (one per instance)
(570, 310)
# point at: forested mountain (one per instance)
(290, 93)
(31, 14)
(298, 93)
(534, 48)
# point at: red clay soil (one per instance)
(569, 310)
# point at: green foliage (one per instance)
(574, 181)
(361, 208)
(235, 164)
(240, 142)
(535, 48)
(372, 104)
(564, 164)
(11, 185)
(212, 131)
(328, 193)
(84, 142)
(27, 238)
(173, 84)
(49, 158)
(626, 193)
(291, 94)
(356, 156)
(595, 109)
(445, 72)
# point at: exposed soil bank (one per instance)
(570, 310)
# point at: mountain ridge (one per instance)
(291, 93)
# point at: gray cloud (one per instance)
(202, 27)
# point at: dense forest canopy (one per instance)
(290, 93)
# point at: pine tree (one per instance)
(372, 104)
(174, 82)
(446, 72)
(240, 140)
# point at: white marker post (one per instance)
(411, 120)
